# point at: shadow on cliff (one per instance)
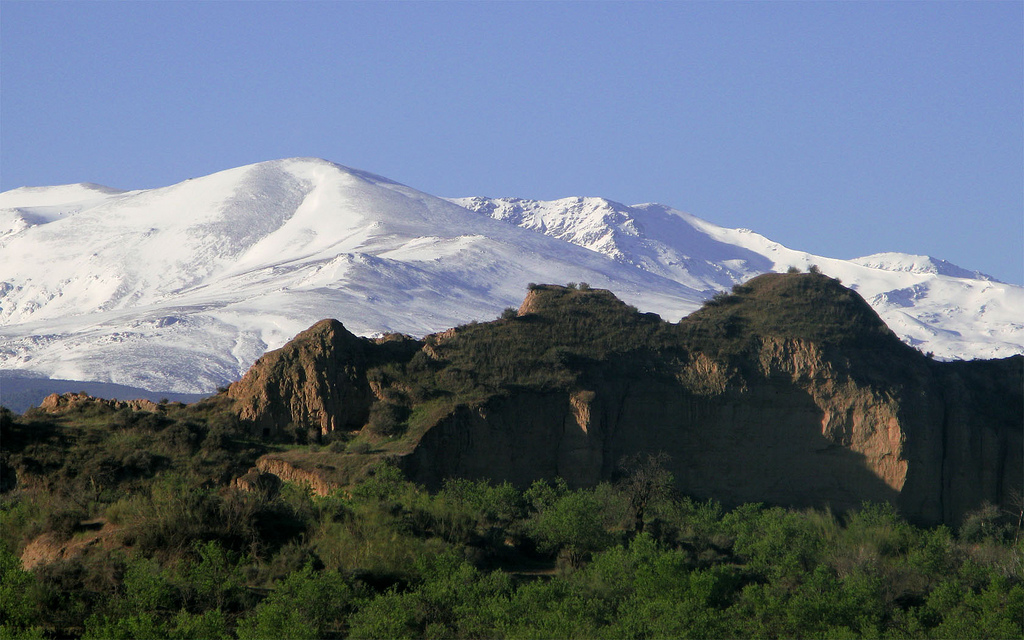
(764, 445)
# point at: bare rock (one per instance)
(317, 381)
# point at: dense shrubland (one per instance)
(166, 549)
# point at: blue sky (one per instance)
(838, 128)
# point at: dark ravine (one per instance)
(792, 391)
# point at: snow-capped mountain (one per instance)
(182, 288)
(930, 303)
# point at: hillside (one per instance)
(138, 520)
(790, 390)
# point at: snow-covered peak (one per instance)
(651, 237)
(918, 264)
(181, 288)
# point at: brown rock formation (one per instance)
(48, 547)
(61, 402)
(257, 481)
(287, 471)
(791, 391)
(318, 380)
(323, 472)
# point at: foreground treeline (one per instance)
(133, 532)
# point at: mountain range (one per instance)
(182, 288)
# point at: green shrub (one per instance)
(572, 523)
(387, 419)
(338, 446)
(16, 591)
(211, 625)
(986, 523)
(64, 522)
(359, 447)
(306, 605)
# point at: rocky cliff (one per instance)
(790, 391)
(318, 381)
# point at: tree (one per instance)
(16, 585)
(307, 604)
(573, 524)
(644, 481)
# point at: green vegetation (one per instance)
(798, 306)
(131, 531)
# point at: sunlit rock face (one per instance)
(318, 381)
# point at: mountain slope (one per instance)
(181, 288)
(932, 304)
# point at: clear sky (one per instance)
(838, 128)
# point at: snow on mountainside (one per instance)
(650, 237)
(30, 206)
(918, 264)
(182, 288)
(930, 303)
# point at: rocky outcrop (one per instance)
(95, 535)
(258, 481)
(790, 392)
(289, 472)
(61, 402)
(323, 472)
(317, 381)
(767, 441)
(803, 437)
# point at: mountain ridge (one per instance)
(181, 288)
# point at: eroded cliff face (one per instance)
(287, 471)
(982, 444)
(318, 381)
(791, 393)
(519, 439)
(800, 434)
